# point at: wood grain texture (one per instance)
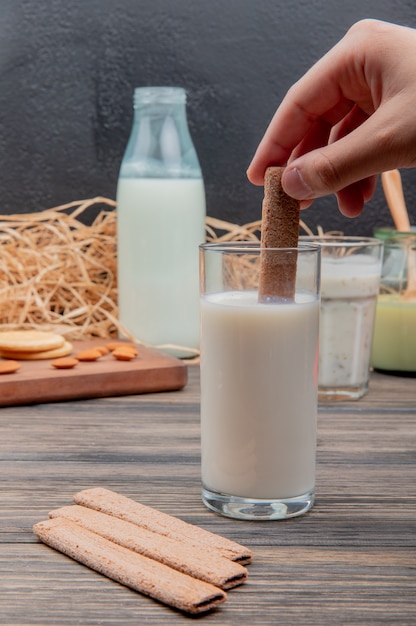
(351, 560)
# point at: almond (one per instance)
(124, 354)
(89, 355)
(65, 363)
(9, 367)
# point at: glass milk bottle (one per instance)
(160, 224)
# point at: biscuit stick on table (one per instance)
(129, 568)
(280, 229)
(115, 504)
(200, 562)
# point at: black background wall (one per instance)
(68, 70)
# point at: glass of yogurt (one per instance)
(350, 279)
(258, 384)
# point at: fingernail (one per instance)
(295, 186)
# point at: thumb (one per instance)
(329, 169)
(351, 197)
(294, 183)
(375, 146)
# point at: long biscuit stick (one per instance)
(203, 563)
(129, 568)
(117, 505)
(279, 229)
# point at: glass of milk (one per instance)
(258, 384)
(350, 279)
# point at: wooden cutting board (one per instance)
(39, 381)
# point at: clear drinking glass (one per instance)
(350, 279)
(258, 384)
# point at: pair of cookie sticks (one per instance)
(154, 553)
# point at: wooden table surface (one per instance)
(350, 560)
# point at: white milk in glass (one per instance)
(161, 223)
(349, 288)
(258, 395)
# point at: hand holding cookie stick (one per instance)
(350, 117)
(279, 229)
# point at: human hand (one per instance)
(350, 117)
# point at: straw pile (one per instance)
(57, 273)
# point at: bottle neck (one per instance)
(159, 95)
(160, 112)
(157, 115)
(160, 144)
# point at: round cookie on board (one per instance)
(29, 341)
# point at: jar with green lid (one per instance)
(394, 341)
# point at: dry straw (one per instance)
(58, 273)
